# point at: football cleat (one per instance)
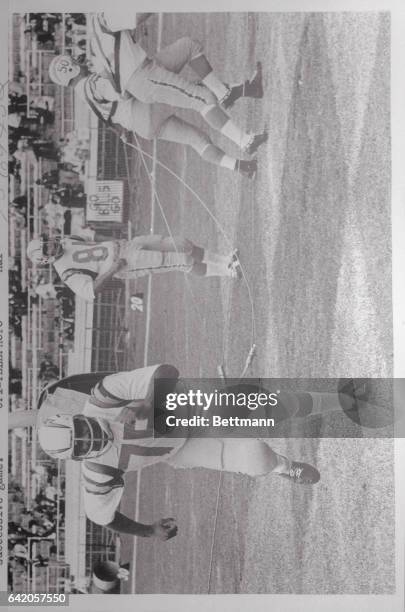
(234, 256)
(255, 142)
(249, 89)
(302, 473)
(235, 270)
(247, 168)
(254, 87)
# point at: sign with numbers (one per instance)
(105, 201)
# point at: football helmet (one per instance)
(63, 69)
(42, 251)
(78, 437)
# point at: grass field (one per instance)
(314, 235)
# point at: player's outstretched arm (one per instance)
(163, 529)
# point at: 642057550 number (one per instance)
(37, 598)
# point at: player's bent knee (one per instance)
(196, 47)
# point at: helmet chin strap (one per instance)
(56, 247)
(78, 72)
(81, 73)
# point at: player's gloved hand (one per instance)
(143, 412)
(165, 529)
(127, 416)
(126, 96)
(123, 574)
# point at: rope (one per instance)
(144, 154)
(222, 373)
(214, 532)
(156, 195)
(252, 351)
(157, 199)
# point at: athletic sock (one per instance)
(235, 92)
(198, 268)
(218, 88)
(323, 403)
(215, 258)
(203, 69)
(236, 134)
(228, 162)
(217, 269)
(283, 465)
(215, 155)
(219, 120)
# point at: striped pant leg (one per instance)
(154, 83)
(171, 257)
(178, 253)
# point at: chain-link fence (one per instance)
(109, 331)
(101, 545)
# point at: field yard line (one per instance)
(148, 311)
(127, 281)
(152, 218)
(149, 289)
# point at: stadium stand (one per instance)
(52, 333)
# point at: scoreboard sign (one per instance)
(105, 201)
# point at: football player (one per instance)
(128, 89)
(103, 437)
(85, 265)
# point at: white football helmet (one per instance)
(42, 251)
(34, 251)
(78, 437)
(63, 69)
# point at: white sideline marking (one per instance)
(127, 281)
